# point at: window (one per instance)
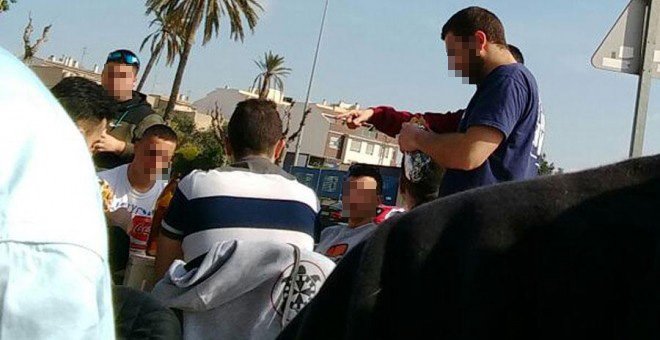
(356, 145)
(370, 149)
(334, 143)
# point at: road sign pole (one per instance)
(645, 78)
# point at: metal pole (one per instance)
(645, 77)
(311, 80)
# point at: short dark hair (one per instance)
(255, 128)
(425, 190)
(515, 51)
(472, 19)
(161, 131)
(84, 99)
(365, 170)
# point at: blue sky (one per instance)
(383, 52)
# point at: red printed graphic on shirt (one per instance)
(337, 250)
(140, 232)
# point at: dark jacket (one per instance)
(573, 256)
(140, 316)
(132, 118)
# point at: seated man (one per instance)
(137, 314)
(137, 185)
(88, 105)
(360, 200)
(54, 278)
(245, 232)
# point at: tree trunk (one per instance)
(150, 65)
(183, 60)
(174, 94)
(263, 92)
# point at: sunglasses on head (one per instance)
(124, 57)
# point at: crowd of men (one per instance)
(482, 251)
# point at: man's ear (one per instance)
(279, 148)
(228, 150)
(481, 40)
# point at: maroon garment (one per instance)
(388, 120)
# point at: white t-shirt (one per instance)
(337, 241)
(139, 205)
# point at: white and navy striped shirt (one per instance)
(251, 200)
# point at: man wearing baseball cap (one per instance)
(134, 115)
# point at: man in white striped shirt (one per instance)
(239, 230)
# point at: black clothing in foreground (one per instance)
(138, 315)
(573, 256)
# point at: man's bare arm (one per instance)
(168, 251)
(461, 151)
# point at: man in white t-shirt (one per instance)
(137, 185)
(361, 198)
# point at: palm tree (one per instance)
(272, 71)
(168, 35)
(206, 13)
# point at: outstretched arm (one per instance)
(389, 121)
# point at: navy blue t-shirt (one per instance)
(508, 101)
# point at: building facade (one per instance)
(326, 142)
(52, 70)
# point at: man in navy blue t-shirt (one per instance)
(499, 136)
(495, 141)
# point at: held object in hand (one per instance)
(417, 163)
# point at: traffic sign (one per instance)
(621, 50)
(630, 47)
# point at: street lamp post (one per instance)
(311, 80)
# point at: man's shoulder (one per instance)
(333, 230)
(517, 75)
(138, 109)
(240, 182)
(112, 175)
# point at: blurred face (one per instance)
(119, 80)
(360, 197)
(91, 131)
(153, 155)
(465, 57)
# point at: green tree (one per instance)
(547, 168)
(206, 14)
(168, 35)
(4, 5)
(272, 73)
(198, 150)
